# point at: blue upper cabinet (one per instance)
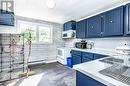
(94, 27)
(71, 25)
(7, 18)
(113, 22)
(127, 19)
(107, 24)
(81, 29)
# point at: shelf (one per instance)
(4, 76)
(14, 74)
(8, 69)
(11, 53)
(12, 60)
(9, 44)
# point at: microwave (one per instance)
(68, 34)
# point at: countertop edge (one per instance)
(94, 77)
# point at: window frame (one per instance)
(37, 30)
(51, 34)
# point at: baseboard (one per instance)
(51, 61)
(36, 62)
(41, 62)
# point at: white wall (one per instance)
(106, 43)
(45, 52)
(8, 29)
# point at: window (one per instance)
(25, 29)
(40, 33)
(45, 34)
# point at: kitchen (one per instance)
(45, 43)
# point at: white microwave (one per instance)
(68, 34)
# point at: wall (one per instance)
(45, 52)
(105, 43)
(48, 51)
(7, 29)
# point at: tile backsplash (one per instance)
(107, 43)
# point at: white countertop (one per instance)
(109, 52)
(91, 69)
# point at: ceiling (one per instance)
(64, 10)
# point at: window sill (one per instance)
(42, 43)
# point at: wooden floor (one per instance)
(54, 74)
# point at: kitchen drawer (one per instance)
(74, 52)
(87, 55)
(84, 59)
(98, 56)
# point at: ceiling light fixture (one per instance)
(50, 4)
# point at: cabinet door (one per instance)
(71, 25)
(81, 29)
(87, 55)
(76, 59)
(85, 59)
(94, 27)
(98, 56)
(74, 52)
(127, 19)
(113, 22)
(84, 80)
(7, 19)
(64, 27)
(68, 25)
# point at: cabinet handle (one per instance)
(111, 21)
(102, 16)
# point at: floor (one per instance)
(53, 74)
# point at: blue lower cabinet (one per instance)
(76, 59)
(84, 80)
(87, 55)
(81, 57)
(98, 56)
(85, 59)
(75, 52)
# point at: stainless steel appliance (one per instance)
(90, 45)
(81, 44)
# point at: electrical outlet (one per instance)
(125, 43)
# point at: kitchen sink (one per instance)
(118, 72)
(112, 60)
